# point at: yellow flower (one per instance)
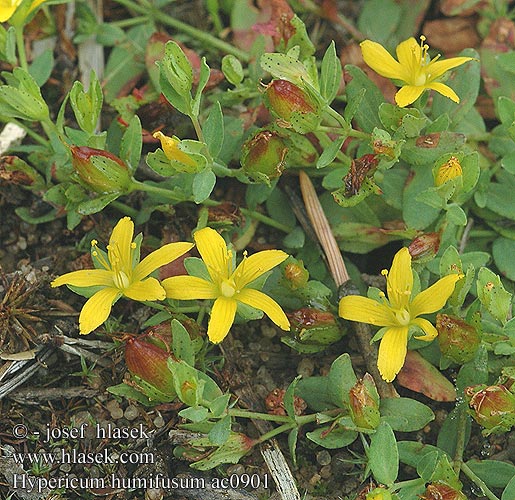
(414, 68)
(122, 274)
(170, 146)
(8, 8)
(399, 311)
(228, 285)
(451, 169)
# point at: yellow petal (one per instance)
(149, 289)
(170, 147)
(430, 331)
(6, 11)
(408, 95)
(189, 288)
(392, 352)
(85, 278)
(120, 243)
(222, 318)
(399, 281)
(409, 54)
(257, 264)
(435, 297)
(213, 250)
(160, 257)
(438, 68)
(365, 310)
(263, 302)
(97, 308)
(381, 61)
(35, 4)
(444, 90)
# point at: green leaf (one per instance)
(87, 105)
(330, 74)
(16, 103)
(332, 437)
(285, 67)
(366, 114)
(195, 413)
(428, 148)
(411, 452)
(214, 130)
(383, 455)
(506, 110)
(181, 343)
(405, 414)
(379, 19)
(221, 431)
(132, 141)
(456, 214)
(96, 204)
(494, 473)
(315, 392)
(232, 69)
(503, 251)
(329, 153)
(509, 491)
(493, 295)
(341, 380)
(203, 184)
(292, 444)
(219, 406)
(289, 397)
(41, 68)
(203, 79)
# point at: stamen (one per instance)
(384, 272)
(99, 256)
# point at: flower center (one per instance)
(121, 280)
(402, 316)
(228, 288)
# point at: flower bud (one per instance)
(458, 339)
(102, 171)
(313, 330)
(424, 247)
(493, 407)
(263, 156)
(451, 169)
(181, 160)
(293, 105)
(149, 363)
(14, 170)
(364, 403)
(296, 274)
(441, 491)
(379, 494)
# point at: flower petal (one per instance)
(381, 61)
(365, 310)
(263, 302)
(430, 331)
(435, 297)
(438, 68)
(120, 244)
(85, 278)
(408, 95)
(189, 288)
(409, 54)
(6, 11)
(444, 90)
(257, 264)
(149, 289)
(96, 309)
(222, 318)
(213, 250)
(399, 281)
(160, 257)
(392, 352)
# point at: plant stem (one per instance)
(237, 412)
(478, 482)
(276, 431)
(460, 438)
(150, 188)
(125, 209)
(410, 482)
(199, 35)
(125, 23)
(20, 43)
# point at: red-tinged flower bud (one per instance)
(313, 330)
(493, 407)
(458, 339)
(296, 274)
(441, 491)
(264, 155)
(293, 105)
(102, 171)
(379, 494)
(364, 403)
(150, 363)
(424, 247)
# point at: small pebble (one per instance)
(154, 494)
(306, 367)
(159, 422)
(131, 413)
(324, 457)
(315, 479)
(268, 331)
(236, 470)
(326, 472)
